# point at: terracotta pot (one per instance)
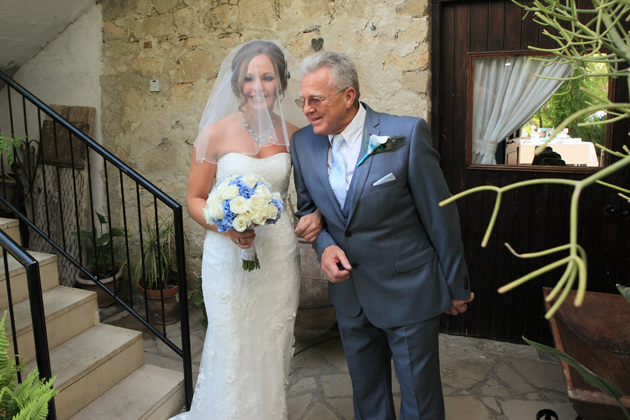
(316, 314)
(103, 299)
(595, 336)
(154, 303)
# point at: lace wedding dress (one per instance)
(249, 341)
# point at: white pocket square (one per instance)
(387, 178)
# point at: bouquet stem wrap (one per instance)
(240, 202)
(250, 258)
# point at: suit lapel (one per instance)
(320, 157)
(361, 173)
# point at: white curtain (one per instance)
(506, 94)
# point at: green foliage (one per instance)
(28, 400)
(160, 257)
(6, 146)
(102, 259)
(607, 387)
(594, 42)
(592, 133)
(625, 292)
(573, 96)
(195, 296)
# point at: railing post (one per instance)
(38, 316)
(183, 302)
(39, 328)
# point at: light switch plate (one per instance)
(154, 85)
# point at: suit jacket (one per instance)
(406, 251)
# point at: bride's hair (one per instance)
(245, 55)
(226, 98)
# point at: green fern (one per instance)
(32, 397)
(25, 401)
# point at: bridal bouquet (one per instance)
(238, 202)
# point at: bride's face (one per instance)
(260, 83)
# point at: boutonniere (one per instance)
(380, 144)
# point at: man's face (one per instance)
(334, 111)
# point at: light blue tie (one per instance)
(337, 175)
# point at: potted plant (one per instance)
(104, 262)
(596, 373)
(156, 271)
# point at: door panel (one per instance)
(531, 219)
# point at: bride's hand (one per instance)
(241, 239)
(310, 225)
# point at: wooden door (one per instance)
(532, 218)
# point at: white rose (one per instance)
(239, 205)
(258, 217)
(256, 202)
(213, 210)
(220, 189)
(215, 197)
(250, 180)
(263, 192)
(277, 196)
(271, 211)
(230, 192)
(207, 215)
(241, 222)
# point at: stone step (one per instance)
(68, 311)
(11, 227)
(149, 393)
(91, 363)
(17, 276)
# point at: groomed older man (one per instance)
(393, 257)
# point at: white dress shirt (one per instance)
(351, 147)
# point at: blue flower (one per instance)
(225, 223)
(245, 191)
(277, 203)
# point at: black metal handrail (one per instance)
(31, 158)
(36, 301)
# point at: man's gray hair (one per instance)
(344, 73)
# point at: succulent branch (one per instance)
(575, 263)
(582, 36)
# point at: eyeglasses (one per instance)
(315, 101)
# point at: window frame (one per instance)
(472, 56)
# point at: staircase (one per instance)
(100, 368)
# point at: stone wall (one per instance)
(182, 43)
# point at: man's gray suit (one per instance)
(406, 252)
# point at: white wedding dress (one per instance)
(249, 342)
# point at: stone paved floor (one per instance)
(481, 379)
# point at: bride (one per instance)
(249, 341)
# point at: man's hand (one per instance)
(330, 257)
(459, 306)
